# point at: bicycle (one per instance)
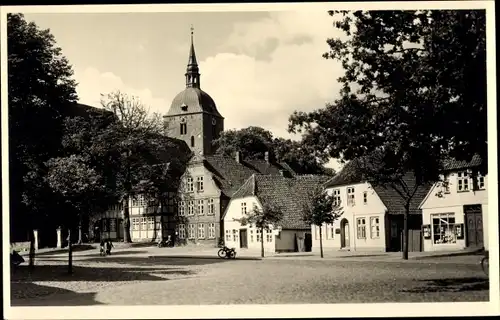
(485, 264)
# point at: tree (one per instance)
(79, 186)
(413, 95)
(136, 142)
(40, 86)
(321, 209)
(265, 218)
(253, 142)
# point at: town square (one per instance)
(248, 157)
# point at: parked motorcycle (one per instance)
(228, 253)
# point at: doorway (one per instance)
(474, 225)
(308, 242)
(344, 234)
(243, 238)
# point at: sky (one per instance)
(259, 67)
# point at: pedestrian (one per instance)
(102, 251)
(109, 245)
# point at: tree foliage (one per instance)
(40, 86)
(320, 210)
(413, 95)
(263, 218)
(253, 142)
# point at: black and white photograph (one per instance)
(249, 160)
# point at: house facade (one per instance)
(372, 218)
(289, 194)
(455, 211)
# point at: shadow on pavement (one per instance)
(22, 295)
(151, 260)
(451, 285)
(76, 248)
(89, 274)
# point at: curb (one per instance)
(200, 257)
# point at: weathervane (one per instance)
(192, 29)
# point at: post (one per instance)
(35, 235)
(70, 253)
(59, 238)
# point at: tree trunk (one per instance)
(32, 249)
(262, 242)
(321, 240)
(70, 253)
(80, 240)
(405, 232)
(126, 222)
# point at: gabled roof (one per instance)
(229, 174)
(289, 194)
(394, 203)
(453, 164)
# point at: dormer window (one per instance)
(184, 107)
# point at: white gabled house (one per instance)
(372, 218)
(455, 214)
(289, 193)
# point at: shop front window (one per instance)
(443, 228)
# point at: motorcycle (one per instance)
(228, 253)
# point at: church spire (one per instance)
(192, 72)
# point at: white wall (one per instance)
(374, 207)
(453, 202)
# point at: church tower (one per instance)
(193, 115)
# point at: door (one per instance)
(474, 225)
(344, 236)
(308, 241)
(243, 238)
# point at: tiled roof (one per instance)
(289, 194)
(453, 164)
(230, 174)
(351, 174)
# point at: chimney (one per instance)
(238, 157)
(266, 156)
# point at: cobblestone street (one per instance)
(132, 278)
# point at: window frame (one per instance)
(351, 196)
(376, 224)
(201, 227)
(211, 230)
(361, 227)
(200, 184)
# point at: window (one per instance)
(269, 237)
(135, 224)
(201, 207)
(151, 223)
(211, 207)
(138, 201)
(443, 228)
(235, 235)
(192, 231)
(365, 197)
(330, 231)
(228, 235)
(361, 224)
(243, 208)
(258, 235)
(144, 225)
(480, 182)
(251, 235)
(350, 196)
(191, 208)
(336, 197)
(201, 231)
(189, 184)
(199, 184)
(463, 181)
(192, 141)
(104, 223)
(183, 128)
(374, 227)
(112, 225)
(211, 231)
(182, 231)
(182, 208)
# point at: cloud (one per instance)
(93, 83)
